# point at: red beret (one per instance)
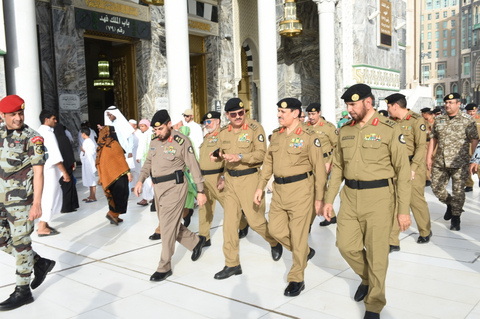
(11, 103)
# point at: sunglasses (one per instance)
(208, 121)
(234, 115)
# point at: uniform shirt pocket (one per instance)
(348, 149)
(371, 151)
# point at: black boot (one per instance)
(188, 218)
(448, 212)
(41, 268)
(21, 296)
(455, 223)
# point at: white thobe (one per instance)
(88, 157)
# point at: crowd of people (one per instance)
(383, 162)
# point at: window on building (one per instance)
(429, 36)
(445, 53)
(429, 4)
(429, 26)
(437, 54)
(439, 94)
(421, 18)
(454, 88)
(437, 34)
(437, 15)
(453, 23)
(453, 42)
(441, 70)
(445, 13)
(445, 24)
(466, 65)
(445, 3)
(453, 13)
(454, 52)
(445, 44)
(429, 16)
(437, 4)
(421, 46)
(437, 44)
(429, 45)
(445, 33)
(453, 33)
(437, 25)
(425, 72)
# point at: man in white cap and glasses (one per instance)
(196, 132)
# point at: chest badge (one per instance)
(296, 143)
(244, 138)
(372, 137)
(170, 150)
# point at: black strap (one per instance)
(410, 158)
(242, 172)
(291, 179)
(212, 171)
(353, 184)
(327, 154)
(164, 178)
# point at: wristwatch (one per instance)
(201, 192)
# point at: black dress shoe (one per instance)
(197, 251)
(155, 236)
(424, 240)
(187, 219)
(228, 272)
(311, 253)
(294, 288)
(371, 315)
(468, 189)
(40, 269)
(242, 233)
(160, 276)
(455, 223)
(277, 252)
(394, 248)
(326, 222)
(208, 243)
(361, 292)
(20, 296)
(448, 213)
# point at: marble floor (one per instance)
(103, 271)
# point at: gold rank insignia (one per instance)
(209, 115)
(450, 96)
(386, 101)
(284, 104)
(314, 110)
(240, 104)
(22, 106)
(355, 97)
(157, 123)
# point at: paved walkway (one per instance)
(103, 272)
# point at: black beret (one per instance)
(471, 107)
(159, 118)
(290, 103)
(383, 112)
(394, 98)
(233, 104)
(437, 110)
(426, 110)
(211, 115)
(313, 107)
(452, 96)
(357, 92)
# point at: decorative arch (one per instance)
(247, 89)
(439, 93)
(466, 92)
(248, 53)
(454, 87)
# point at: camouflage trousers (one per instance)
(15, 231)
(440, 178)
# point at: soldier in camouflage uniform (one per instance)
(454, 133)
(471, 109)
(21, 184)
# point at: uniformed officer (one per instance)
(456, 135)
(370, 153)
(212, 171)
(21, 185)
(242, 147)
(295, 158)
(429, 118)
(166, 160)
(414, 130)
(328, 138)
(471, 110)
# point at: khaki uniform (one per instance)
(163, 159)
(429, 130)
(211, 172)
(19, 151)
(368, 158)
(452, 158)
(249, 141)
(288, 157)
(469, 182)
(414, 130)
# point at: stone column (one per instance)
(268, 89)
(178, 58)
(326, 32)
(22, 68)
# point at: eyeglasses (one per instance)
(234, 115)
(302, 117)
(185, 115)
(208, 121)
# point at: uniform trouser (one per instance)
(440, 178)
(314, 213)
(170, 200)
(363, 226)
(469, 182)
(289, 220)
(205, 213)
(15, 240)
(239, 192)
(419, 208)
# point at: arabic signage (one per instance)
(385, 24)
(113, 24)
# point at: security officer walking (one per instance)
(456, 135)
(414, 130)
(214, 178)
(471, 110)
(242, 147)
(370, 153)
(295, 158)
(22, 158)
(166, 160)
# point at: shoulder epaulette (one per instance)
(224, 127)
(387, 121)
(416, 115)
(277, 130)
(253, 125)
(349, 122)
(179, 139)
(309, 130)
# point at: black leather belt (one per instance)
(327, 154)
(212, 171)
(410, 158)
(291, 179)
(353, 184)
(166, 178)
(242, 172)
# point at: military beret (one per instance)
(426, 110)
(159, 118)
(11, 103)
(211, 115)
(394, 98)
(357, 92)
(383, 112)
(436, 111)
(452, 96)
(471, 107)
(313, 107)
(234, 104)
(290, 103)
